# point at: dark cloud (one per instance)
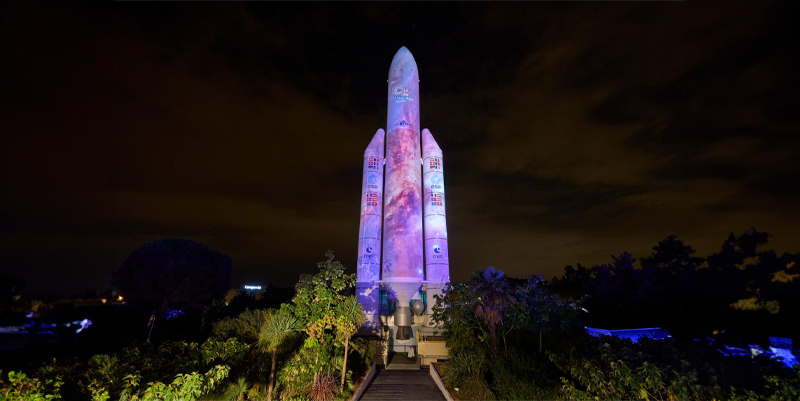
(570, 131)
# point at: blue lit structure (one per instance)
(656, 333)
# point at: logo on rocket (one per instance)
(401, 94)
(437, 249)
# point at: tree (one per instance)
(572, 285)
(673, 255)
(454, 312)
(317, 295)
(538, 308)
(278, 335)
(351, 315)
(493, 295)
(317, 305)
(174, 271)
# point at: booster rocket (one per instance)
(414, 240)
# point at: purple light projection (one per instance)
(437, 262)
(410, 255)
(369, 233)
(402, 246)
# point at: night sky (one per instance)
(570, 131)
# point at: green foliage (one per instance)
(612, 368)
(366, 349)
(317, 295)
(329, 314)
(245, 327)
(455, 314)
(20, 387)
(462, 368)
(237, 391)
(528, 377)
(185, 387)
(278, 335)
(476, 390)
(108, 376)
(465, 373)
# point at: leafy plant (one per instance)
(524, 377)
(237, 391)
(185, 387)
(463, 367)
(613, 368)
(245, 327)
(20, 387)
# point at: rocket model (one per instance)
(402, 246)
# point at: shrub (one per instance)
(517, 377)
(613, 368)
(463, 367)
(21, 387)
(476, 390)
(244, 327)
(466, 372)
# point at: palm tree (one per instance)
(353, 317)
(278, 335)
(493, 294)
(236, 391)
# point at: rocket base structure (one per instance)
(403, 258)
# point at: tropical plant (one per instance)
(317, 306)
(493, 295)
(352, 317)
(236, 391)
(278, 335)
(324, 387)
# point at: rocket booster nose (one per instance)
(376, 145)
(403, 63)
(429, 145)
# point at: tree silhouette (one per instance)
(493, 294)
(174, 271)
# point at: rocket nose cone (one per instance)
(402, 56)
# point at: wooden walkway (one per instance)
(402, 385)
